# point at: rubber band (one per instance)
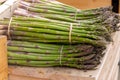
(9, 25)
(78, 10)
(70, 33)
(61, 50)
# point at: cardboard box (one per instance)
(3, 58)
(87, 4)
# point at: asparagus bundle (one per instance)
(65, 13)
(52, 33)
(34, 49)
(56, 34)
(46, 55)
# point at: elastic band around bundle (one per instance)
(61, 50)
(70, 33)
(9, 25)
(77, 11)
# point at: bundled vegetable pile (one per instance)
(55, 34)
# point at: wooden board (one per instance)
(108, 70)
(87, 4)
(3, 58)
(6, 9)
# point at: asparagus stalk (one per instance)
(48, 46)
(39, 64)
(71, 52)
(50, 58)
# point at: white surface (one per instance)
(7, 9)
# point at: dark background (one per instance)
(115, 4)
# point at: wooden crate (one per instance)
(87, 4)
(108, 70)
(3, 58)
